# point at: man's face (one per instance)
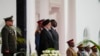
(94, 49)
(49, 25)
(72, 44)
(9, 23)
(87, 49)
(40, 24)
(54, 24)
(81, 48)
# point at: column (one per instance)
(44, 9)
(31, 27)
(62, 18)
(66, 25)
(71, 19)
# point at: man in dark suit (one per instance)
(46, 39)
(8, 38)
(37, 34)
(55, 34)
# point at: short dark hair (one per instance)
(46, 22)
(52, 20)
(53, 23)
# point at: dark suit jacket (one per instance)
(8, 40)
(37, 39)
(46, 40)
(56, 38)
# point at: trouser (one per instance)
(8, 54)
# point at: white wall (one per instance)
(7, 8)
(31, 22)
(87, 16)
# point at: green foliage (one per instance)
(87, 41)
(0, 42)
(50, 49)
(18, 30)
(0, 34)
(20, 40)
(34, 54)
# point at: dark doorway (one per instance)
(21, 24)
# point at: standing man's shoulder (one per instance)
(4, 28)
(44, 30)
(68, 49)
(68, 52)
(92, 54)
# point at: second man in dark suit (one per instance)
(55, 34)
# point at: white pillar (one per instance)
(31, 23)
(66, 24)
(44, 9)
(71, 19)
(62, 26)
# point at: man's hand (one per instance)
(7, 51)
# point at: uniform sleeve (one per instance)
(91, 54)
(5, 44)
(78, 53)
(68, 53)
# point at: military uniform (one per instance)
(87, 50)
(86, 53)
(8, 40)
(94, 51)
(82, 53)
(71, 52)
(93, 54)
(80, 50)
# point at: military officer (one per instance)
(80, 50)
(70, 51)
(87, 50)
(94, 51)
(8, 38)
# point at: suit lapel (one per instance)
(49, 34)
